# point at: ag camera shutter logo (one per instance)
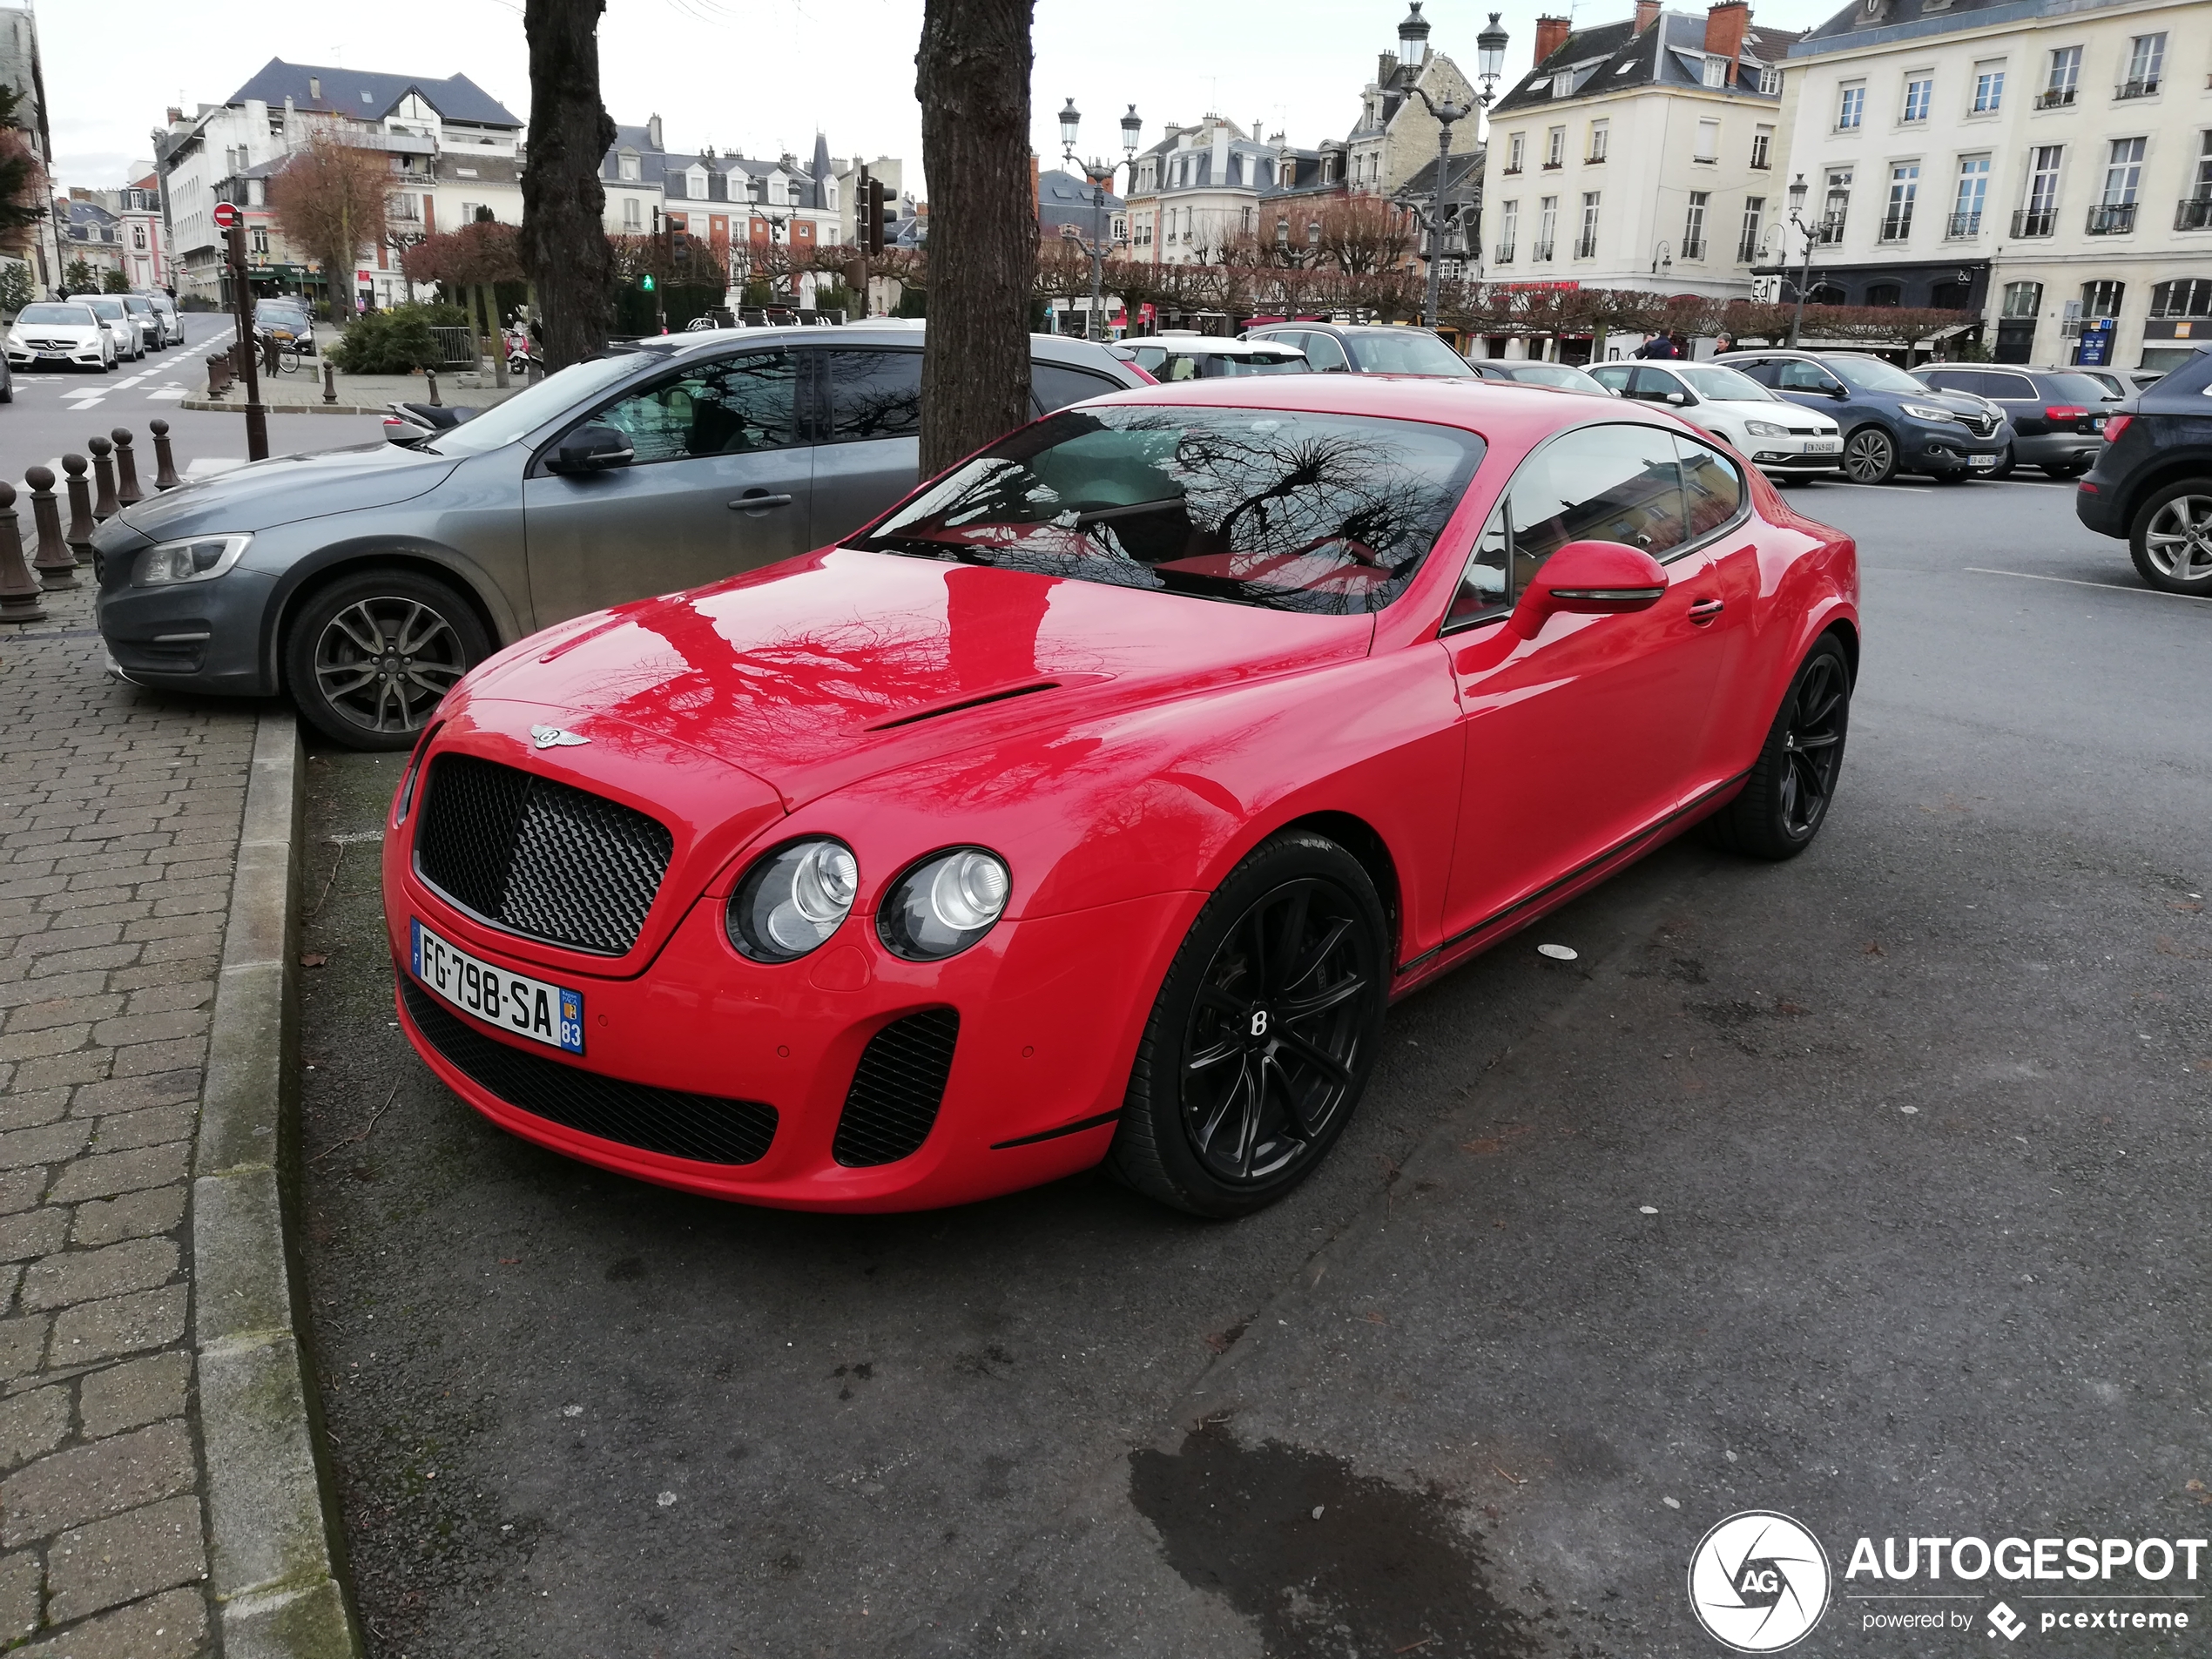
(1758, 1582)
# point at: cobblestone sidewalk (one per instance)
(119, 816)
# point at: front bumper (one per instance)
(1947, 447)
(1050, 1010)
(1797, 456)
(86, 357)
(194, 637)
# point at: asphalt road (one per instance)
(1868, 1188)
(56, 411)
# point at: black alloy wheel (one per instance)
(368, 658)
(1263, 1034)
(1786, 799)
(1869, 456)
(2171, 538)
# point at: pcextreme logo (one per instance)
(1758, 1581)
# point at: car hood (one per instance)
(55, 330)
(1780, 413)
(824, 669)
(290, 487)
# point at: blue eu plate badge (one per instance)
(524, 1007)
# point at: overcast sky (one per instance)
(763, 75)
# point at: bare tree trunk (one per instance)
(972, 80)
(563, 244)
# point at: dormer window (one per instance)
(1770, 81)
(1716, 72)
(626, 167)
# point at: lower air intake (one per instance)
(896, 1089)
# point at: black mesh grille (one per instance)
(896, 1089)
(539, 857)
(702, 1127)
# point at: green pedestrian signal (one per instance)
(646, 282)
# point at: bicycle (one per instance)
(279, 356)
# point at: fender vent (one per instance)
(896, 1089)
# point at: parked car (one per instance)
(151, 336)
(60, 333)
(285, 320)
(1170, 358)
(1783, 441)
(122, 326)
(2057, 414)
(173, 323)
(1340, 348)
(1565, 376)
(2152, 483)
(1890, 422)
(1024, 830)
(363, 582)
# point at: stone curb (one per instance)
(218, 405)
(275, 1555)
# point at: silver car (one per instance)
(364, 581)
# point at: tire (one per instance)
(2170, 538)
(1786, 800)
(2072, 469)
(2006, 462)
(1870, 457)
(366, 701)
(1204, 1139)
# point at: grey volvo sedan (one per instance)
(364, 581)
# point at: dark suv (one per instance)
(1338, 348)
(2058, 416)
(2153, 480)
(1892, 422)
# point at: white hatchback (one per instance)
(1169, 358)
(57, 333)
(1784, 439)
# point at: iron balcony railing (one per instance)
(1503, 255)
(2034, 221)
(2143, 88)
(1896, 226)
(2112, 219)
(2193, 214)
(1540, 251)
(1693, 247)
(1585, 248)
(2055, 98)
(1961, 226)
(1831, 232)
(1747, 251)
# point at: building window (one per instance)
(1546, 227)
(1555, 147)
(1516, 147)
(2036, 218)
(139, 238)
(2064, 77)
(1834, 205)
(2183, 297)
(2145, 58)
(626, 168)
(630, 221)
(2102, 299)
(1693, 226)
(1747, 246)
(1599, 136)
(1587, 247)
(1769, 81)
(1919, 93)
(2023, 299)
(2123, 172)
(1716, 72)
(257, 242)
(1851, 109)
(1763, 149)
(2201, 193)
(1904, 185)
(1508, 230)
(1709, 142)
(1989, 87)
(1973, 193)
(1884, 294)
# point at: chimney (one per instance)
(652, 133)
(1385, 66)
(1646, 14)
(1551, 35)
(1725, 26)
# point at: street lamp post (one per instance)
(1798, 192)
(1490, 58)
(1099, 175)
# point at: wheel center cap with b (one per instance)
(1259, 1025)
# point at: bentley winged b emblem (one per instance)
(551, 737)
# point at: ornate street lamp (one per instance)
(1100, 175)
(1490, 58)
(1798, 190)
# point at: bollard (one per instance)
(19, 588)
(105, 505)
(127, 492)
(164, 463)
(329, 382)
(431, 374)
(56, 564)
(81, 522)
(218, 374)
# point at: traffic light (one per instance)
(680, 248)
(876, 217)
(646, 282)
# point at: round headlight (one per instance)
(944, 904)
(794, 899)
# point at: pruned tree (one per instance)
(1365, 235)
(329, 201)
(470, 262)
(972, 77)
(564, 243)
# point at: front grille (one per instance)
(538, 857)
(896, 1089)
(703, 1127)
(1980, 425)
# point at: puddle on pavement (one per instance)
(1382, 1570)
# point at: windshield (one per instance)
(1404, 351)
(1331, 513)
(1723, 384)
(552, 397)
(1870, 374)
(112, 309)
(277, 309)
(1554, 374)
(57, 316)
(133, 303)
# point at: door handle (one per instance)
(1703, 611)
(754, 501)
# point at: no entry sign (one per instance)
(226, 216)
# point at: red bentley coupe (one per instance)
(1095, 802)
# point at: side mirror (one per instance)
(590, 449)
(1587, 578)
(1837, 388)
(1678, 398)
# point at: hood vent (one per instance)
(915, 716)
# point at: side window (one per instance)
(2005, 386)
(1614, 377)
(1712, 489)
(738, 404)
(1148, 358)
(1800, 376)
(1482, 590)
(1326, 355)
(1762, 371)
(1653, 384)
(1953, 379)
(1180, 366)
(1056, 388)
(873, 394)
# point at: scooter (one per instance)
(409, 424)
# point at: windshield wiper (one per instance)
(918, 547)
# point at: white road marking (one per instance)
(2076, 582)
(171, 392)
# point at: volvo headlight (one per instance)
(1766, 430)
(201, 558)
(794, 899)
(944, 904)
(1929, 412)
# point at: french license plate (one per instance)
(53, 357)
(1823, 446)
(1981, 463)
(2097, 425)
(529, 1007)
